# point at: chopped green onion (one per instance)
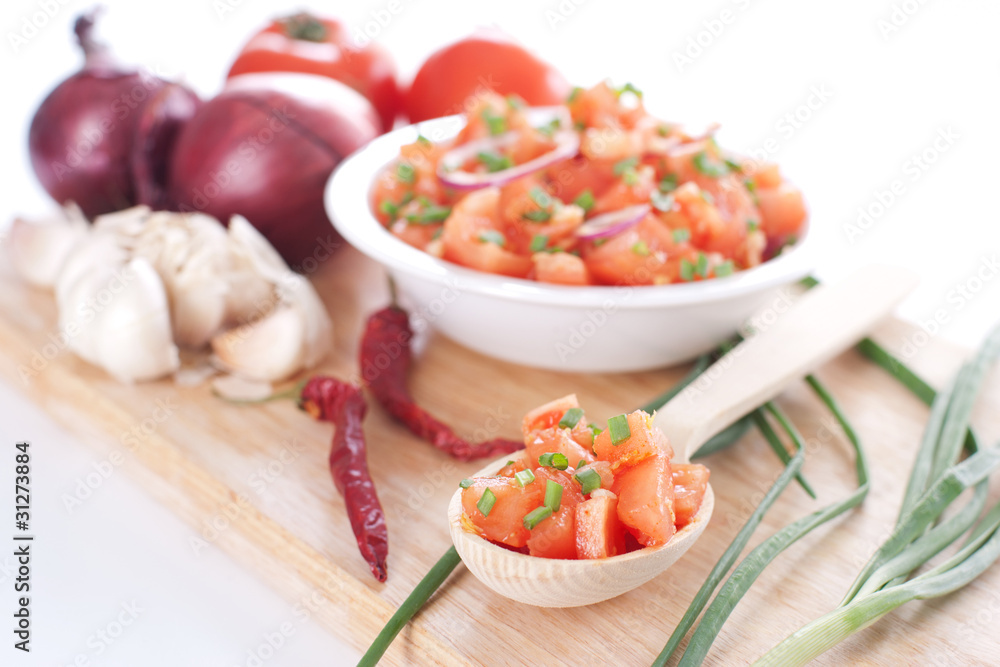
(589, 480)
(524, 477)
(423, 140)
(668, 183)
(753, 225)
(622, 166)
(494, 162)
(430, 215)
(486, 502)
(585, 200)
(573, 94)
(681, 235)
(571, 418)
(580, 126)
(726, 268)
(389, 209)
(629, 88)
(620, 431)
(536, 516)
(733, 165)
(540, 197)
(492, 236)
(708, 167)
(537, 215)
(437, 233)
(640, 248)
(495, 121)
(553, 495)
(581, 463)
(750, 185)
(555, 460)
(538, 243)
(465, 483)
(687, 270)
(406, 173)
(514, 102)
(702, 267)
(660, 201)
(707, 196)
(595, 429)
(630, 177)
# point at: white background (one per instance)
(888, 90)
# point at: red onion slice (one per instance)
(567, 146)
(614, 222)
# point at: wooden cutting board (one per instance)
(253, 481)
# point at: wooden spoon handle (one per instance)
(791, 341)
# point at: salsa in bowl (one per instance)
(662, 297)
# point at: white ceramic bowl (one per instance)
(579, 329)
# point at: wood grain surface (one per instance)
(253, 481)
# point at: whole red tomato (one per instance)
(305, 43)
(453, 75)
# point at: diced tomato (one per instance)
(518, 461)
(505, 520)
(599, 531)
(549, 415)
(690, 481)
(646, 500)
(782, 210)
(560, 268)
(556, 439)
(417, 236)
(570, 178)
(624, 193)
(467, 233)
(765, 175)
(643, 442)
(555, 537)
(636, 256)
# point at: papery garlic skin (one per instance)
(114, 312)
(38, 248)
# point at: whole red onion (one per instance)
(87, 133)
(264, 148)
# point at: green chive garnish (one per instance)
(389, 209)
(687, 270)
(630, 177)
(585, 200)
(620, 431)
(629, 88)
(589, 480)
(724, 269)
(573, 94)
(555, 460)
(681, 235)
(465, 483)
(702, 267)
(405, 173)
(536, 215)
(581, 463)
(540, 197)
(494, 162)
(749, 184)
(538, 243)
(486, 502)
(624, 165)
(430, 215)
(514, 102)
(571, 418)
(640, 248)
(496, 122)
(549, 129)
(733, 165)
(492, 236)
(668, 183)
(553, 495)
(753, 225)
(536, 516)
(595, 429)
(524, 477)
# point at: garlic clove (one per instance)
(270, 348)
(38, 248)
(236, 388)
(115, 313)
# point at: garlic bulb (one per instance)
(38, 248)
(113, 310)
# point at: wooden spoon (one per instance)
(820, 325)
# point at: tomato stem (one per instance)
(304, 26)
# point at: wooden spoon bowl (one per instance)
(820, 325)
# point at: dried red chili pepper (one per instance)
(385, 367)
(329, 399)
